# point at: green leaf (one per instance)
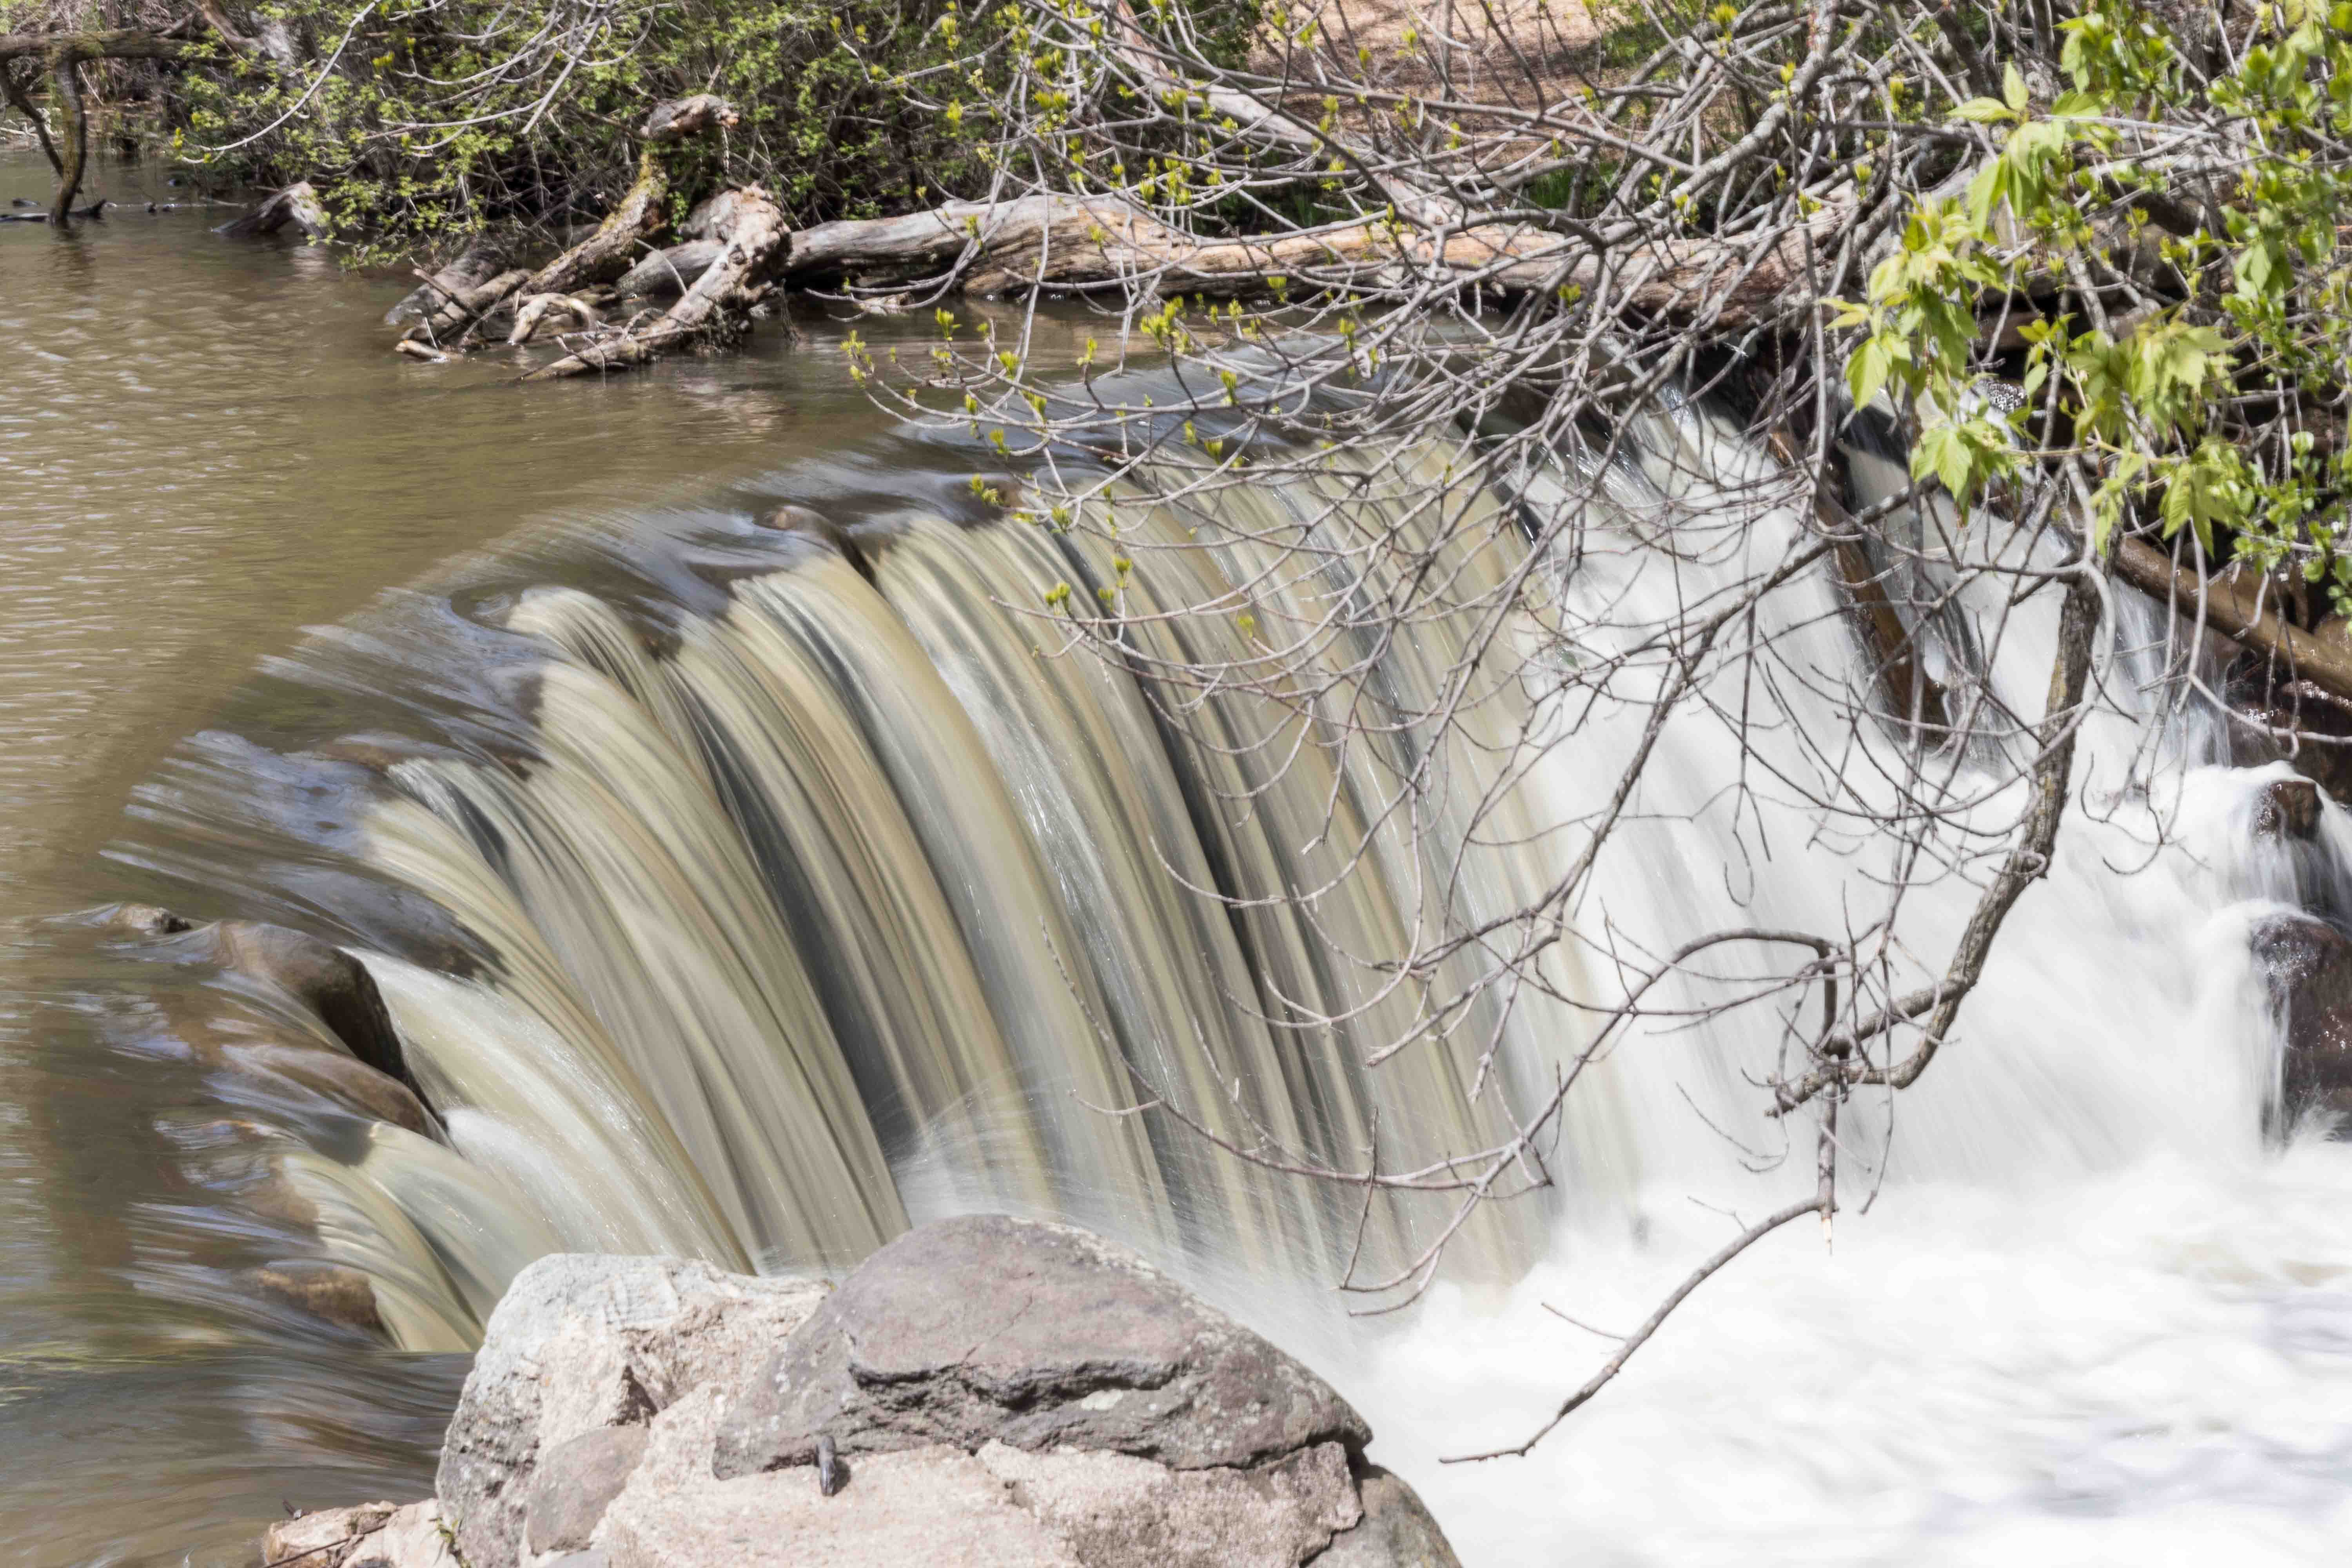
(1941, 451)
(1986, 190)
(2012, 88)
(1984, 112)
(1865, 372)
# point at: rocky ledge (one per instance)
(983, 1391)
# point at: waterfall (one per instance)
(758, 899)
(742, 899)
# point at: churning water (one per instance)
(739, 900)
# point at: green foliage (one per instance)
(418, 117)
(2215, 412)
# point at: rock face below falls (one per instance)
(983, 1391)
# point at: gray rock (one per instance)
(1396, 1530)
(925, 1508)
(986, 1329)
(577, 1481)
(324, 1537)
(366, 1535)
(1115, 1512)
(581, 1343)
(1000, 1508)
(413, 1537)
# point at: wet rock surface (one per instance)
(983, 1392)
(2308, 965)
(2297, 720)
(2288, 809)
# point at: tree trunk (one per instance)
(65, 78)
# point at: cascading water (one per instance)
(755, 901)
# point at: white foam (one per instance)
(2149, 1366)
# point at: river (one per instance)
(2095, 1319)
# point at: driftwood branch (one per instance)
(1819, 1204)
(21, 102)
(2027, 862)
(718, 301)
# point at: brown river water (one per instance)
(206, 449)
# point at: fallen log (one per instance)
(537, 309)
(298, 203)
(94, 210)
(640, 217)
(473, 267)
(460, 308)
(671, 271)
(1072, 243)
(2238, 606)
(716, 307)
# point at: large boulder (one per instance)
(578, 1344)
(986, 1329)
(984, 1392)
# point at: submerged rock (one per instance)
(331, 1292)
(310, 969)
(984, 1392)
(322, 977)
